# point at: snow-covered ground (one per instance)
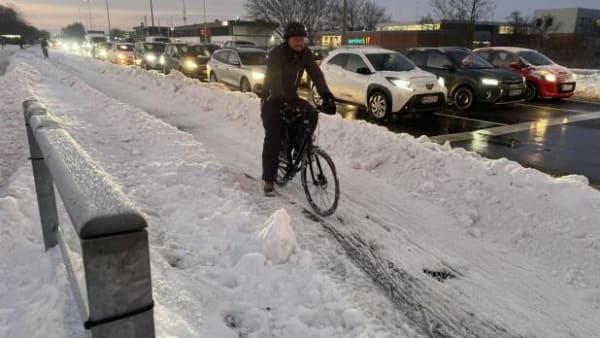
(588, 83)
(226, 262)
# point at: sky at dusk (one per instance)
(54, 14)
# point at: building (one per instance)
(261, 33)
(142, 31)
(566, 20)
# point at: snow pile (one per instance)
(279, 240)
(588, 83)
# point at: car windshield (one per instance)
(469, 60)
(253, 58)
(535, 58)
(106, 45)
(98, 39)
(154, 47)
(125, 47)
(393, 62)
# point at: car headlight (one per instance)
(151, 57)
(103, 53)
(121, 56)
(490, 82)
(573, 76)
(400, 83)
(161, 60)
(550, 77)
(441, 82)
(258, 75)
(189, 64)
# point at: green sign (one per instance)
(356, 41)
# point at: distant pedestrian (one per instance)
(21, 43)
(44, 45)
(2, 42)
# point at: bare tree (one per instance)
(469, 11)
(519, 25)
(373, 14)
(360, 14)
(311, 13)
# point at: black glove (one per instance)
(328, 105)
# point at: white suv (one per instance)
(382, 80)
(243, 68)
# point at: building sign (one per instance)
(360, 41)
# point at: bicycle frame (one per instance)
(301, 153)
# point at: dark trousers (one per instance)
(272, 118)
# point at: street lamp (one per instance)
(151, 13)
(89, 13)
(108, 18)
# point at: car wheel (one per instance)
(213, 77)
(245, 85)
(531, 92)
(463, 98)
(378, 105)
(165, 70)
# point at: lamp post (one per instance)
(108, 19)
(90, 14)
(184, 14)
(344, 23)
(205, 31)
(151, 13)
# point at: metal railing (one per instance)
(112, 238)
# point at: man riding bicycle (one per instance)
(285, 66)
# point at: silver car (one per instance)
(243, 68)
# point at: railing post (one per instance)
(44, 185)
(117, 273)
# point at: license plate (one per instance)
(515, 92)
(567, 87)
(429, 99)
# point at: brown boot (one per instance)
(269, 189)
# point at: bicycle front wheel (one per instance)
(320, 182)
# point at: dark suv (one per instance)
(468, 77)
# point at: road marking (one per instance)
(514, 128)
(469, 119)
(552, 108)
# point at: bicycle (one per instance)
(317, 170)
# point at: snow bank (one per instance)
(588, 84)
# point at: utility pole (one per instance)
(108, 18)
(344, 23)
(184, 16)
(151, 13)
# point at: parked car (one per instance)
(147, 54)
(102, 51)
(122, 53)
(191, 59)
(319, 53)
(382, 80)
(238, 43)
(544, 78)
(242, 68)
(468, 77)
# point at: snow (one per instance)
(227, 262)
(588, 83)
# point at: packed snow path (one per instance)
(459, 246)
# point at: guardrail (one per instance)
(116, 301)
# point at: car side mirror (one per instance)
(363, 71)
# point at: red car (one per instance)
(545, 78)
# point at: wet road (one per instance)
(559, 137)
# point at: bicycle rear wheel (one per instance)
(320, 182)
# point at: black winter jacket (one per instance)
(285, 67)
